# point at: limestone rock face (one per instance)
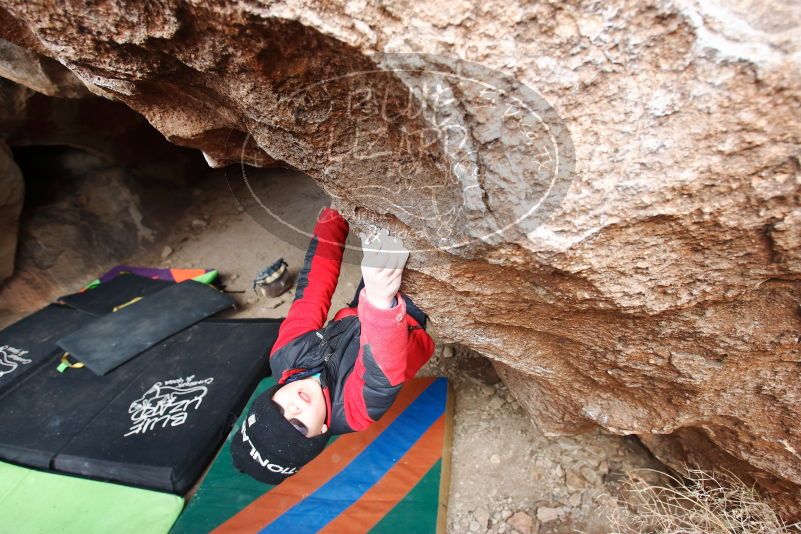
(652, 289)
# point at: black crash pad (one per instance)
(154, 422)
(162, 430)
(118, 291)
(40, 417)
(30, 342)
(117, 337)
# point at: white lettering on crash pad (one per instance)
(11, 359)
(167, 403)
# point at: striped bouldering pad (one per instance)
(37, 502)
(392, 477)
(205, 276)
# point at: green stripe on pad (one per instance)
(417, 512)
(206, 278)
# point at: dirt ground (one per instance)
(506, 475)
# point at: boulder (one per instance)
(604, 198)
(82, 217)
(12, 195)
(39, 73)
(97, 125)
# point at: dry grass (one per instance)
(694, 503)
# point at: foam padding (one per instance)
(153, 422)
(102, 299)
(39, 418)
(36, 502)
(172, 274)
(30, 342)
(117, 337)
(391, 477)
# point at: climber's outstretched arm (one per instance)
(380, 366)
(317, 279)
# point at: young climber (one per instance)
(342, 377)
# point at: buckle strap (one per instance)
(67, 364)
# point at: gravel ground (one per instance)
(509, 477)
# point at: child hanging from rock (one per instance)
(340, 377)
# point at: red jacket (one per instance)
(363, 355)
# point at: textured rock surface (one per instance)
(660, 298)
(107, 129)
(82, 216)
(12, 189)
(39, 73)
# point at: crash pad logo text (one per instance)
(11, 359)
(167, 403)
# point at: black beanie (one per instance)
(267, 446)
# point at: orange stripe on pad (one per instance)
(319, 471)
(179, 275)
(371, 507)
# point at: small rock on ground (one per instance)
(546, 514)
(487, 390)
(591, 475)
(574, 480)
(495, 403)
(521, 522)
(482, 516)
